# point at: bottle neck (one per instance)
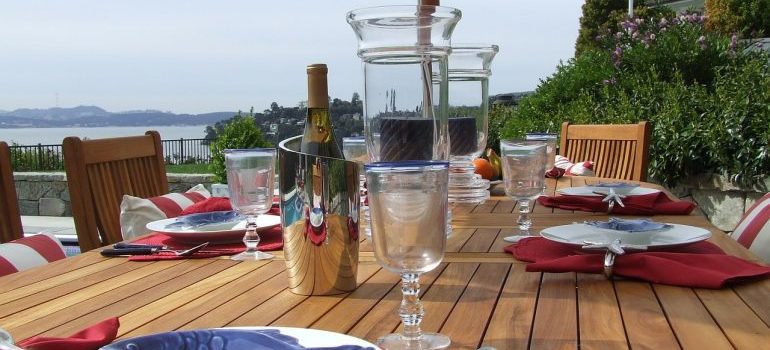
(317, 91)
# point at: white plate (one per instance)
(576, 234)
(589, 191)
(238, 340)
(205, 234)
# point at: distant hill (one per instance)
(92, 116)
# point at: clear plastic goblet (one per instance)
(523, 176)
(408, 207)
(250, 179)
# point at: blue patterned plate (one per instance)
(253, 338)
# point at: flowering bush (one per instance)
(708, 97)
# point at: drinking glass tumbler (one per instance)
(550, 140)
(408, 203)
(523, 176)
(404, 50)
(251, 179)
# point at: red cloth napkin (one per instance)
(649, 204)
(209, 205)
(91, 338)
(698, 265)
(270, 240)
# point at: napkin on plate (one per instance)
(209, 205)
(648, 204)
(629, 225)
(91, 338)
(697, 265)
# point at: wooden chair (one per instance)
(100, 172)
(10, 220)
(618, 151)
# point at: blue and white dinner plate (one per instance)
(579, 233)
(215, 232)
(244, 338)
(590, 191)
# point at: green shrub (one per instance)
(749, 18)
(239, 132)
(707, 97)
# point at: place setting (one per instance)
(244, 225)
(643, 249)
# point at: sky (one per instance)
(199, 56)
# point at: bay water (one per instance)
(54, 136)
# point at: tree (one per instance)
(747, 18)
(596, 13)
(239, 132)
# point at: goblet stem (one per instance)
(411, 310)
(251, 237)
(251, 240)
(524, 220)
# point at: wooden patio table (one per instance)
(478, 296)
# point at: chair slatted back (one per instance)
(100, 172)
(618, 151)
(10, 220)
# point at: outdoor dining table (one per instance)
(479, 295)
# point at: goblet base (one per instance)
(252, 256)
(426, 341)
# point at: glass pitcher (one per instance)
(404, 50)
(469, 71)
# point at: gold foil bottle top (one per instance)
(317, 89)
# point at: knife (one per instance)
(122, 245)
(129, 251)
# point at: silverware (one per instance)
(122, 245)
(150, 251)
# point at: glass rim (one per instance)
(407, 165)
(541, 136)
(246, 150)
(522, 142)
(401, 11)
(475, 47)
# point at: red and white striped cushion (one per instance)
(136, 212)
(28, 252)
(753, 231)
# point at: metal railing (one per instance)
(42, 157)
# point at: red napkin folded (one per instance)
(91, 338)
(649, 204)
(697, 265)
(209, 205)
(270, 240)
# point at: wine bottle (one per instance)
(318, 138)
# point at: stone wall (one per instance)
(720, 199)
(46, 194)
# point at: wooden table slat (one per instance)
(118, 301)
(601, 324)
(693, 325)
(645, 323)
(556, 324)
